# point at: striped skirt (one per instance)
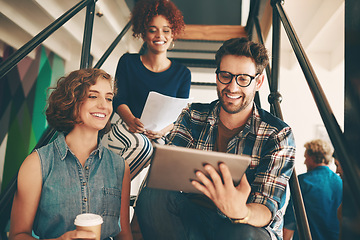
(135, 148)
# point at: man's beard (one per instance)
(235, 108)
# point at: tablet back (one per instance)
(173, 168)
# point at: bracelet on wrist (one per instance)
(243, 220)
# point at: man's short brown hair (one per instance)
(244, 47)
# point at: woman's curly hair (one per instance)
(145, 10)
(64, 102)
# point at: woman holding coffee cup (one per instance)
(74, 174)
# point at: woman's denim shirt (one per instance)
(69, 189)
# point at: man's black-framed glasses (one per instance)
(243, 80)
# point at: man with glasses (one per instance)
(232, 124)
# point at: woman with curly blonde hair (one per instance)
(158, 23)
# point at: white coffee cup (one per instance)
(89, 222)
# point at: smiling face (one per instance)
(233, 98)
(96, 109)
(159, 34)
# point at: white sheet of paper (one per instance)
(161, 110)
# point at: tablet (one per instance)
(173, 168)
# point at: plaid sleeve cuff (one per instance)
(271, 204)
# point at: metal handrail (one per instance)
(11, 62)
(335, 133)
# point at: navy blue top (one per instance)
(134, 82)
(321, 190)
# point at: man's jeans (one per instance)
(168, 215)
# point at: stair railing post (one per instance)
(275, 98)
(88, 29)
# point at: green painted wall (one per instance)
(23, 94)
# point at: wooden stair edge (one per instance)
(212, 32)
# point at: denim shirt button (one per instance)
(87, 168)
(85, 199)
(84, 183)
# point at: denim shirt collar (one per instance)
(63, 148)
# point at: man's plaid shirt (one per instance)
(268, 140)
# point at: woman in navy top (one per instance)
(157, 23)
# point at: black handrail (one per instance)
(335, 133)
(11, 62)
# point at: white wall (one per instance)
(299, 108)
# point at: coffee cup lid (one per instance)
(88, 219)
